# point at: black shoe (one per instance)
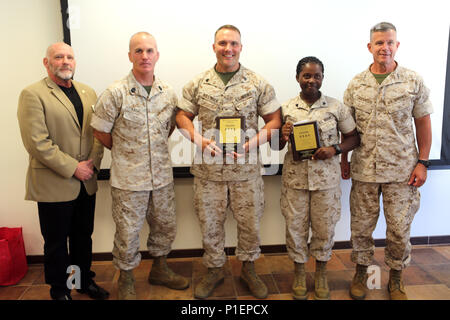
(64, 297)
(94, 291)
(58, 293)
(61, 297)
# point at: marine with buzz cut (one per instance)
(385, 100)
(228, 90)
(134, 118)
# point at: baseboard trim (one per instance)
(267, 249)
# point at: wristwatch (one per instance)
(337, 148)
(426, 163)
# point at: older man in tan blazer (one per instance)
(54, 116)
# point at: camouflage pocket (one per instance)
(328, 132)
(134, 116)
(401, 114)
(207, 103)
(243, 103)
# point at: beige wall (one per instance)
(27, 28)
(188, 230)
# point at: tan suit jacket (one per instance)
(52, 136)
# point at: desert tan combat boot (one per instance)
(299, 290)
(321, 290)
(254, 283)
(209, 282)
(162, 275)
(358, 289)
(126, 289)
(395, 285)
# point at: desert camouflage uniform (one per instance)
(385, 160)
(311, 192)
(206, 96)
(130, 208)
(140, 124)
(400, 203)
(246, 201)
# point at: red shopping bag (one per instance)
(13, 261)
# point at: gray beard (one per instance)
(64, 75)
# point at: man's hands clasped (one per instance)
(84, 170)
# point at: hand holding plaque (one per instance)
(304, 139)
(230, 130)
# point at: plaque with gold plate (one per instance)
(304, 139)
(230, 131)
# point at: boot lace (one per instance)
(322, 282)
(210, 277)
(300, 278)
(396, 283)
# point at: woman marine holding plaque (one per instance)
(311, 193)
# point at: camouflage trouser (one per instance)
(246, 201)
(302, 209)
(400, 204)
(130, 208)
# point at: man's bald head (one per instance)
(142, 35)
(56, 47)
(143, 55)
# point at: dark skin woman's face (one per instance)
(310, 80)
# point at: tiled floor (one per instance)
(427, 278)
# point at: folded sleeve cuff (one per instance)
(423, 110)
(101, 125)
(187, 106)
(270, 107)
(347, 126)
